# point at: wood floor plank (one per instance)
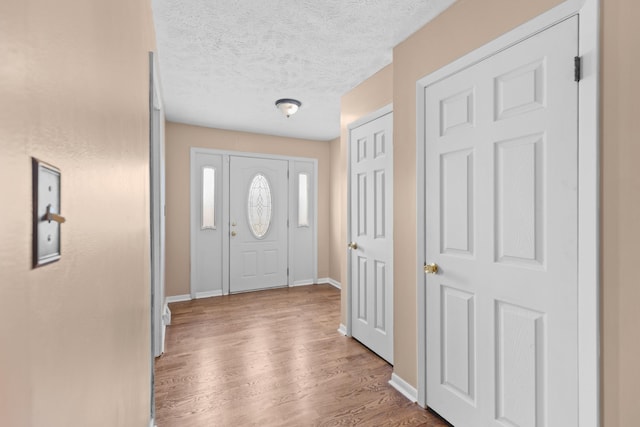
(273, 358)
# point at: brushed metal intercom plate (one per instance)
(46, 213)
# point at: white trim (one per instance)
(166, 314)
(226, 228)
(290, 216)
(209, 294)
(188, 297)
(387, 109)
(316, 185)
(252, 155)
(589, 218)
(331, 282)
(306, 282)
(157, 236)
(406, 389)
(166, 321)
(370, 117)
(156, 202)
(193, 218)
(421, 292)
(588, 193)
(178, 298)
(152, 423)
(342, 330)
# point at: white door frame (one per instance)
(226, 154)
(157, 216)
(157, 200)
(588, 193)
(361, 121)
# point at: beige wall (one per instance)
(470, 24)
(179, 140)
(75, 335)
(620, 148)
(336, 181)
(371, 95)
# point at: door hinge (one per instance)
(577, 70)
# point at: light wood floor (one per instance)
(273, 358)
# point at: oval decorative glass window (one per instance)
(259, 206)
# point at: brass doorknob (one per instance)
(233, 233)
(431, 268)
(353, 245)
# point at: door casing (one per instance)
(224, 224)
(588, 194)
(157, 217)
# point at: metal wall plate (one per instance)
(46, 213)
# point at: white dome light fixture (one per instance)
(288, 106)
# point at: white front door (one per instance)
(258, 214)
(371, 224)
(501, 226)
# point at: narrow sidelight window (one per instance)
(303, 200)
(208, 198)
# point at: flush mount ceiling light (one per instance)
(288, 106)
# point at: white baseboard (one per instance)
(209, 294)
(302, 283)
(406, 389)
(187, 297)
(166, 314)
(342, 329)
(330, 281)
(178, 298)
(166, 321)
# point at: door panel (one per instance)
(380, 295)
(361, 290)
(206, 208)
(457, 202)
(501, 224)
(519, 200)
(371, 265)
(258, 217)
(362, 204)
(520, 366)
(303, 216)
(458, 341)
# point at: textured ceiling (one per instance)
(223, 63)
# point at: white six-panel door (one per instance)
(371, 225)
(258, 214)
(501, 225)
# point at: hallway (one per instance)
(273, 358)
